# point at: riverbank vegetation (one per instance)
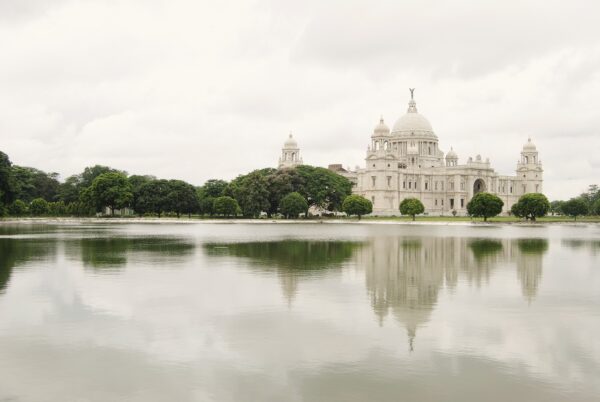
(289, 193)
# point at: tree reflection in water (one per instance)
(110, 254)
(15, 252)
(292, 259)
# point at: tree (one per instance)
(152, 198)
(575, 207)
(7, 185)
(596, 207)
(226, 206)
(293, 205)
(357, 205)
(18, 208)
(323, 188)
(39, 207)
(251, 193)
(280, 183)
(206, 205)
(556, 207)
(181, 198)
(485, 205)
(214, 188)
(111, 190)
(57, 208)
(412, 207)
(33, 183)
(531, 206)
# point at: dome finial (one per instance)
(381, 119)
(412, 105)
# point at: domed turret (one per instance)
(290, 153)
(381, 129)
(451, 158)
(290, 143)
(529, 146)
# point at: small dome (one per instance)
(529, 146)
(381, 128)
(413, 123)
(451, 154)
(290, 142)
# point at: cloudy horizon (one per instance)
(198, 90)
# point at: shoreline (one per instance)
(264, 221)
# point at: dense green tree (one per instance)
(412, 207)
(293, 205)
(226, 206)
(357, 205)
(7, 185)
(280, 183)
(575, 207)
(531, 206)
(484, 205)
(595, 207)
(57, 208)
(556, 207)
(91, 172)
(214, 188)
(18, 208)
(323, 188)
(69, 191)
(111, 190)
(251, 193)
(39, 207)
(181, 198)
(206, 205)
(152, 198)
(33, 183)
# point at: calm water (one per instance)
(316, 312)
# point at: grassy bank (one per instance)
(497, 219)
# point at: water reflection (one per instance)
(14, 252)
(292, 259)
(592, 245)
(404, 275)
(109, 254)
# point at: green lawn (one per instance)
(507, 219)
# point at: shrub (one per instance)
(357, 205)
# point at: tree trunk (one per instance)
(484, 218)
(413, 217)
(112, 211)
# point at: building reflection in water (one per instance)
(404, 275)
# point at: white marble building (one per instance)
(290, 154)
(407, 162)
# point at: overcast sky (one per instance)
(196, 90)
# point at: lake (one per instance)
(299, 312)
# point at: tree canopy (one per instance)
(575, 207)
(357, 205)
(531, 206)
(7, 184)
(293, 205)
(226, 206)
(484, 205)
(111, 190)
(412, 207)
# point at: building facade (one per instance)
(406, 162)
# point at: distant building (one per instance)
(406, 162)
(290, 154)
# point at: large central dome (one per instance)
(413, 123)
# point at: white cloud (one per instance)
(197, 90)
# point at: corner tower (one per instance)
(529, 169)
(290, 154)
